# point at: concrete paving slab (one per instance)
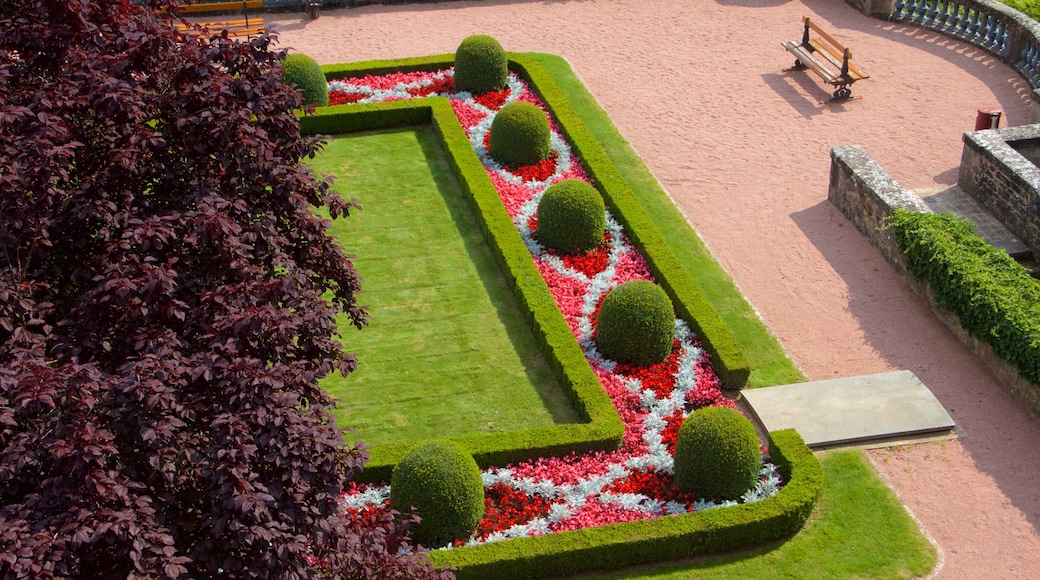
(852, 410)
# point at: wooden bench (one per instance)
(826, 57)
(245, 26)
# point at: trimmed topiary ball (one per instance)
(636, 324)
(443, 483)
(304, 72)
(717, 454)
(519, 135)
(481, 65)
(571, 217)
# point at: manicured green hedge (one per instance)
(727, 359)
(661, 539)
(604, 429)
(996, 299)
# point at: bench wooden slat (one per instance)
(234, 28)
(837, 59)
(808, 59)
(245, 26)
(822, 33)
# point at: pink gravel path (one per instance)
(696, 87)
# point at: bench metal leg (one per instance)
(798, 65)
(842, 93)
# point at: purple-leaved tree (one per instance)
(166, 309)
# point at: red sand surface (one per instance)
(743, 149)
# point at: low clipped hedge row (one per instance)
(604, 429)
(996, 299)
(728, 360)
(662, 539)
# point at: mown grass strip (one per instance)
(858, 530)
(447, 351)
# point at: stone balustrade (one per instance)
(1001, 31)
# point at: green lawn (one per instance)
(447, 351)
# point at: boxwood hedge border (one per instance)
(605, 547)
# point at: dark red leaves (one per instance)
(162, 320)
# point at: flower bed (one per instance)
(558, 494)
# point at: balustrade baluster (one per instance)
(991, 32)
(930, 13)
(973, 26)
(943, 19)
(963, 21)
(1000, 41)
(900, 10)
(917, 11)
(1028, 63)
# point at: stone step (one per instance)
(868, 409)
(953, 199)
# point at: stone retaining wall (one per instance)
(867, 195)
(997, 175)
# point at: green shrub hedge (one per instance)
(443, 484)
(571, 217)
(304, 72)
(636, 324)
(996, 299)
(480, 65)
(717, 454)
(519, 135)
(661, 539)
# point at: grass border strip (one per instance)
(604, 429)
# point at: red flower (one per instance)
(659, 377)
(344, 97)
(493, 99)
(438, 86)
(653, 484)
(505, 507)
(671, 430)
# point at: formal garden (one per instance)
(583, 493)
(546, 356)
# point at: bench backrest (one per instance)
(831, 45)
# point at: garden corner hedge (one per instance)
(616, 545)
(662, 539)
